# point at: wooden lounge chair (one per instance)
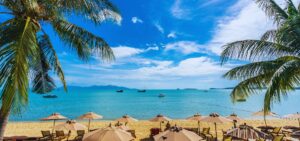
(206, 134)
(80, 134)
(60, 135)
(154, 131)
(46, 136)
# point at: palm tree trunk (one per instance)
(3, 123)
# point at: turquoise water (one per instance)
(176, 104)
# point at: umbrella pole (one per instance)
(198, 127)
(89, 125)
(216, 131)
(299, 121)
(160, 126)
(53, 126)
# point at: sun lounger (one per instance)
(60, 135)
(206, 134)
(80, 134)
(46, 136)
(154, 131)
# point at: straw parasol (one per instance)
(108, 134)
(263, 114)
(177, 134)
(294, 116)
(126, 119)
(234, 118)
(54, 117)
(215, 118)
(90, 116)
(70, 125)
(160, 118)
(197, 117)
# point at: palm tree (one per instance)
(275, 58)
(26, 50)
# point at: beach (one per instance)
(142, 127)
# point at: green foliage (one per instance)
(275, 60)
(26, 49)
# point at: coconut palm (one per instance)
(275, 59)
(26, 52)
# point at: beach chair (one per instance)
(132, 132)
(206, 134)
(60, 135)
(154, 131)
(80, 134)
(46, 135)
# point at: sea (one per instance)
(177, 103)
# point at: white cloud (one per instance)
(178, 11)
(125, 51)
(136, 20)
(159, 27)
(185, 47)
(172, 34)
(248, 21)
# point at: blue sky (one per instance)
(166, 43)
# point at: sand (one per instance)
(142, 128)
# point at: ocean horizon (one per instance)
(177, 104)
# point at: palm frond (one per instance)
(95, 10)
(273, 10)
(282, 81)
(42, 82)
(249, 86)
(269, 35)
(82, 41)
(255, 50)
(17, 79)
(51, 56)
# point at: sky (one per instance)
(162, 44)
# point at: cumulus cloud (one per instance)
(185, 47)
(136, 20)
(248, 21)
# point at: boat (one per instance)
(161, 95)
(120, 91)
(141, 91)
(50, 96)
(241, 100)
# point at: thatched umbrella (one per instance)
(108, 134)
(234, 118)
(160, 118)
(90, 116)
(177, 134)
(215, 118)
(294, 116)
(70, 125)
(197, 117)
(261, 113)
(54, 117)
(126, 119)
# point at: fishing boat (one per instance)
(120, 91)
(141, 91)
(161, 95)
(241, 100)
(50, 96)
